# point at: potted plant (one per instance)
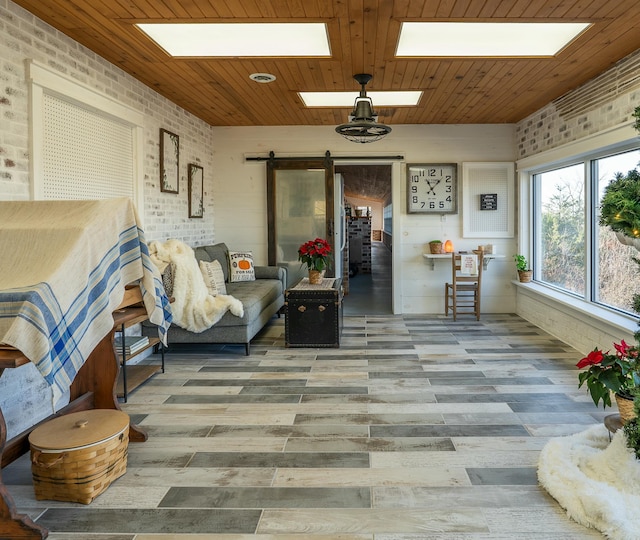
(435, 246)
(522, 266)
(315, 254)
(608, 373)
(620, 207)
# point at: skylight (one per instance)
(347, 99)
(240, 39)
(485, 39)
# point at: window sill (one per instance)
(586, 311)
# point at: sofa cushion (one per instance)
(241, 266)
(213, 277)
(255, 296)
(216, 252)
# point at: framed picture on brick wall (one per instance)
(196, 191)
(169, 161)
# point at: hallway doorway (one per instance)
(367, 194)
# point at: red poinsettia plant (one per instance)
(315, 254)
(608, 372)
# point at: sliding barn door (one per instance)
(300, 208)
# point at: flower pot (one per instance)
(625, 408)
(525, 275)
(435, 248)
(315, 277)
(628, 240)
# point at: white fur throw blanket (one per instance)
(193, 308)
(597, 482)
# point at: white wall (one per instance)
(240, 198)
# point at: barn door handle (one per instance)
(302, 309)
(321, 308)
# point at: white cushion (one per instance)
(241, 266)
(213, 277)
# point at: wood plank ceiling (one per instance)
(363, 35)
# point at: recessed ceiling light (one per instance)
(485, 39)
(262, 77)
(240, 39)
(346, 99)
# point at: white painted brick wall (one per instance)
(23, 36)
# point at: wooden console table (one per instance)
(93, 388)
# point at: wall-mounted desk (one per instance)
(432, 257)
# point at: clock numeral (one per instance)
(414, 199)
(447, 178)
(431, 172)
(441, 204)
(449, 198)
(415, 178)
(448, 189)
(432, 204)
(414, 189)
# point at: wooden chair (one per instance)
(462, 294)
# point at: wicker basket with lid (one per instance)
(77, 456)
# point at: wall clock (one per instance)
(432, 188)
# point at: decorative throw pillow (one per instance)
(241, 266)
(167, 279)
(213, 277)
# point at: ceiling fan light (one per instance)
(363, 126)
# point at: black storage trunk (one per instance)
(313, 316)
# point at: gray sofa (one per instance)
(261, 299)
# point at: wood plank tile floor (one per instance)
(415, 428)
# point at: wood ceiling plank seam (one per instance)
(490, 72)
(489, 9)
(267, 10)
(243, 93)
(460, 9)
(325, 9)
(208, 11)
(401, 7)
(414, 10)
(343, 39)
(370, 37)
(445, 91)
(176, 9)
(106, 9)
(52, 16)
(431, 81)
(474, 9)
(519, 7)
(252, 9)
(123, 9)
(445, 8)
(220, 7)
(532, 9)
(236, 8)
(384, 45)
(292, 88)
(297, 8)
(151, 11)
(467, 89)
(429, 9)
(311, 10)
(244, 108)
(356, 35)
(281, 7)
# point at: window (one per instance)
(562, 221)
(617, 276)
(571, 251)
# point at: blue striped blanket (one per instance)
(64, 269)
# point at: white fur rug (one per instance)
(597, 482)
(193, 307)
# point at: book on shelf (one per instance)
(132, 344)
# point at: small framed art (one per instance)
(169, 161)
(196, 191)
